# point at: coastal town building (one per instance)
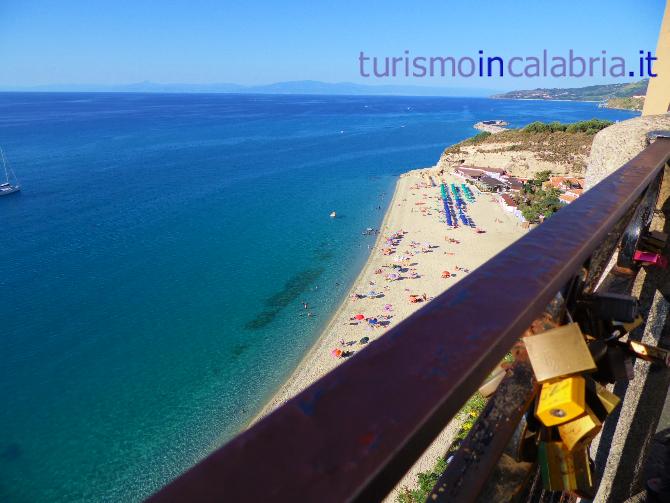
(508, 204)
(476, 172)
(510, 188)
(489, 184)
(567, 198)
(563, 183)
(570, 187)
(468, 173)
(515, 184)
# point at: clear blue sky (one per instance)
(263, 41)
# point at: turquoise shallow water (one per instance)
(154, 265)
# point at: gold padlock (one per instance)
(599, 399)
(563, 470)
(580, 430)
(558, 352)
(561, 401)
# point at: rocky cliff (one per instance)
(522, 154)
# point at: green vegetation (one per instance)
(589, 127)
(541, 177)
(478, 138)
(469, 413)
(589, 93)
(629, 103)
(535, 202)
(553, 142)
(426, 480)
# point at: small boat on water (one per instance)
(10, 184)
(333, 215)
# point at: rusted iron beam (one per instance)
(354, 433)
(470, 467)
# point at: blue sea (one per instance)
(153, 268)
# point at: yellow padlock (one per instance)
(561, 401)
(580, 430)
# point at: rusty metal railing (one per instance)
(353, 434)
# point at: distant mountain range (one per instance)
(616, 95)
(292, 87)
(590, 93)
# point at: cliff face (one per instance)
(523, 156)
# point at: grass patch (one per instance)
(426, 480)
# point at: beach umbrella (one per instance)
(336, 352)
(372, 294)
(388, 307)
(365, 340)
(359, 317)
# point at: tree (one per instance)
(542, 176)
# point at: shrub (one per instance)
(479, 137)
(590, 127)
(427, 480)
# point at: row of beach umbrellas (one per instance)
(461, 206)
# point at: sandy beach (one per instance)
(416, 225)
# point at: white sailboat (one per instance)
(11, 184)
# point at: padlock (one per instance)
(563, 470)
(649, 353)
(558, 352)
(556, 466)
(561, 400)
(611, 306)
(650, 259)
(615, 365)
(598, 349)
(580, 430)
(599, 399)
(583, 472)
(654, 241)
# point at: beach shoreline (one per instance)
(279, 396)
(415, 220)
